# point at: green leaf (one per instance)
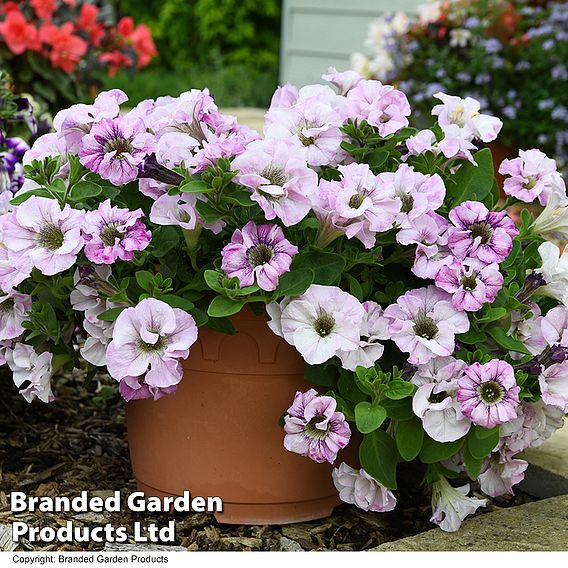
(208, 214)
(433, 451)
(222, 325)
(369, 417)
(327, 266)
(348, 388)
(472, 337)
(398, 389)
(409, 438)
(240, 197)
(85, 190)
(177, 302)
(482, 441)
(379, 457)
(195, 186)
(295, 282)
(472, 464)
(324, 375)
(213, 280)
(398, 409)
(145, 280)
(493, 314)
(199, 316)
(111, 314)
(376, 158)
(164, 239)
(473, 182)
(354, 287)
(502, 338)
(222, 306)
(21, 197)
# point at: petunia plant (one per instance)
(432, 326)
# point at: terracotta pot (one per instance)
(219, 435)
(501, 152)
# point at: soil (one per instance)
(79, 443)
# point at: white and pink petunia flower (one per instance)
(488, 394)
(258, 252)
(320, 323)
(479, 233)
(358, 488)
(500, 474)
(553, 383)
(280, 181)
(32, 370)
(314, 428)
(423, 323)
(150, 340)
(48, 235)
(14, 311)
(113, 233)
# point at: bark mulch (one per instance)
(79, 443)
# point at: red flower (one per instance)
(88, 22)
(18, 34)
(144, 45)
(125, 26)
(66, 48)
(44, 8)
(116, 60)
(8, 7)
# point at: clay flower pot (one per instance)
(219, 435)
(501, 152)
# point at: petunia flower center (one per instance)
(260, 254)
(7, 305)
(306, 140)
(425, 327)
(531, 182)
(312, 431)
(275, 174)
(119, 145)
(152, 348)
(491, 392)
(436, 397)
(482, 230)
(469, 283)
(109, 233)
(458, 115)
(50, 237)
(407, 202)
(324, 324)
(356, 200)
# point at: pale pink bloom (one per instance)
(422, 142)
(151, 339)
(113, 233)
(418, 193)
(175, 149)
(344, 81)
(436, 405)
(500, 474)
(470, 284)
(89, 283)
(322, 322)
(429, 259)
(554, 270)
(258, 253)
(452, 505)
(423, 323)
(529, 330)
(527, 430)
(357, 205)
(48, 235)
(554, 326)
(29, 366)
(456, 143)
(479, 233)
(427, 229)
(531, 175)
(15, 309)
(14, 268)
(152, 188)
(553, 383)
(437, 370)
(358, 488)
(99, 335)
(374, 328)
(465, 114)
(314, 428)
(488, 394)
(284, 97)
(133, 388)
(552, 223)
(46, 146)
(217, 146)
(276, 173)
(380, 105)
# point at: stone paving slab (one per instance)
(537, 526)
(547, 475)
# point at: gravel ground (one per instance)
(79, 443)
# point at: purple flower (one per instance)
(423, 323)
(358, 488)
(488, 394)
(380, 105)
(149, 340)
(314, 428)
(532, 175)
(48, 235)
(276, 173)
(115, 147)
(320, 323)
(114, 233)
(258, 252)
(14, 311)
(480, 233)
(132, 388)
(471, 284)
(553, 383)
